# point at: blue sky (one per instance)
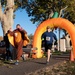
(23, 19)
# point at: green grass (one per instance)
(59, 52)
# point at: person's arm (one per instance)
(43, 36)
(55, 43)
(55, 37)
(22, 30)
(11, 33)
(24, 34)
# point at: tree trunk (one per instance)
(0, 11)
(7, 17)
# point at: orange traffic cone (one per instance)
(72, 56)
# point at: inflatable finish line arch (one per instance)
(54, 22)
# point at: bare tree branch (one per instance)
(51, 14)
(61, 11)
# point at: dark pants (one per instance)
(8, 55)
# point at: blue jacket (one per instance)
(49, 37)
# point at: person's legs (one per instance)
(7, 55)
(48, 55)
(49, 47)
(19, 52)
(11, 51)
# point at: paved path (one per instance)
(28, 66)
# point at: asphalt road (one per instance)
(28, 66)
(31, 65)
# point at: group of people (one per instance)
(19, 36)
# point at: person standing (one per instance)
(48, 36)
(19, 37)
(9, 49)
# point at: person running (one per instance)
(48, 36)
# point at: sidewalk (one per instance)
(28, 66)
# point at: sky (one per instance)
(23, 19)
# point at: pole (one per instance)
(59, 39)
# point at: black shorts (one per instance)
(48, 46)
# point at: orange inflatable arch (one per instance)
(54, 22)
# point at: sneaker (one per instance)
(10, 60)
(16, 63)
(47, 62)
(17, 60)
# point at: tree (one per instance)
(36, 9)
(6, 17)
(41, 10)
(30, 36)
(7, 9)
(1, 38)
